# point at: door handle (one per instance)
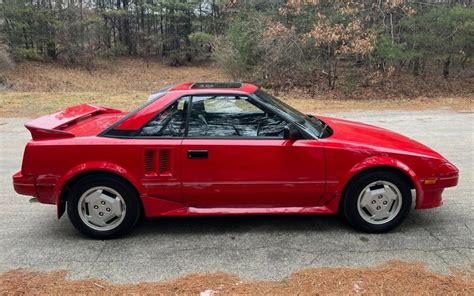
(197, 154)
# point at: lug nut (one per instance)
(385, 202)
(102, 202)
(101, 214)
(108, 209)
(380, 196)
(96, 207)
(373, 202)
(378, 208)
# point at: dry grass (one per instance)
(393, 278)
(322, 104)
(41, 88)
(31, 104)
(121, 75)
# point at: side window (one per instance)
(226, 104)
(231, 116)
(169, 123)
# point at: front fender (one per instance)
(94, 166)
(379, 162)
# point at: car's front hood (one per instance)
(377, 138)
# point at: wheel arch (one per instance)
(75, 175)
(381, 164)
(390, 169)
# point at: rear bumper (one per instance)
(24, 185)
(40, 187)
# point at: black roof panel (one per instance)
(201, 85)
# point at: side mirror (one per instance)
(292, 132)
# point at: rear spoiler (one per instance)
(52, 126)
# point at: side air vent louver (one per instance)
(149, 161)
(164, 161)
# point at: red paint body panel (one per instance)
(55, 126)
(279, 173)
(24, 184)
(240, 176)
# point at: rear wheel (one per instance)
(103, 207)
(376, 201)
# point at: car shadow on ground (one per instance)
(240, 224)
(251, 224)
(254, 224)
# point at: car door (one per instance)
(234, 155)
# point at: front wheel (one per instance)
(103, 207)
(376, 201)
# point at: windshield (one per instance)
(309, 123)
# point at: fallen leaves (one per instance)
(392, 278)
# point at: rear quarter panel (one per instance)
(54, 162)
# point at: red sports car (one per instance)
(202, 149)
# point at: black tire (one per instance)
(127, 192)
(351, 194)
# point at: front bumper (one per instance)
(24, 185)
(433, 189)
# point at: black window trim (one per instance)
(134, 134)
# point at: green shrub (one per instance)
(21, 54)
(200, 46)
(238, 50)
(5, 60)
(112, 52)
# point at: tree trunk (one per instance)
(81, 18)
(446, 64)
(334, 73)
(416, 67)
(126, 29)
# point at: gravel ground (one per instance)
(260, 248)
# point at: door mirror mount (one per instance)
(292, 132)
